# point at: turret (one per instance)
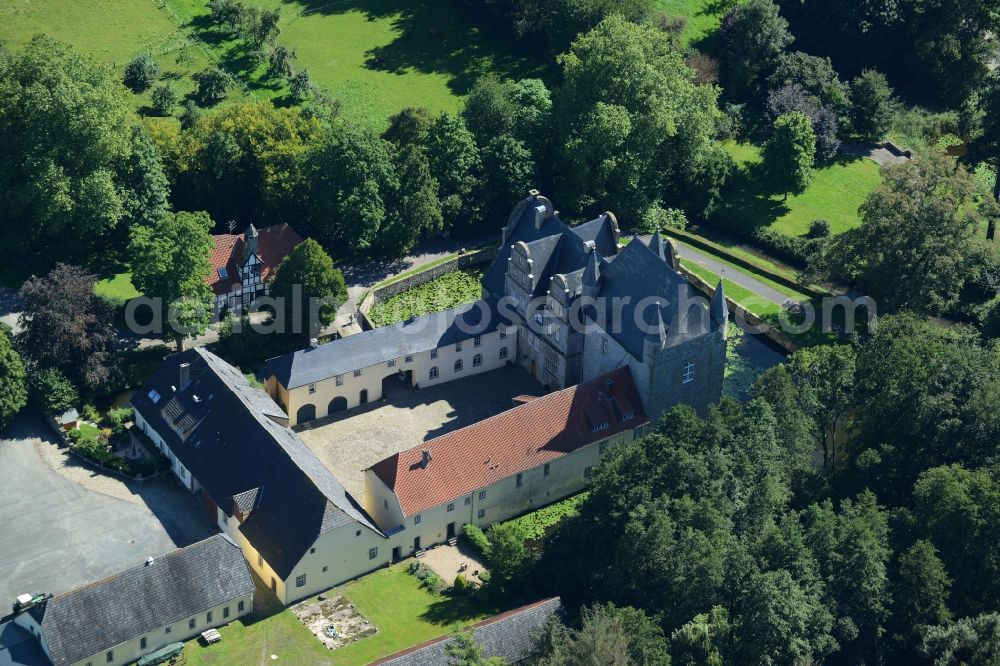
(592, 274)
(719, 309)
(251, 237)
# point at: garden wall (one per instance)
(459, 262)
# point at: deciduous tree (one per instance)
(309, 289)
(789, 154)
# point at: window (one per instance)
(503, 332)
(142, 643)
(385, 504)
(629, 415)
(408, 359)
(324, 568)
(416, 520)
(240, 606)
(533, 341)
(312, 551)
(312, 388)
(168, 629)
(597, 427)
(477, 341)
(373, 552)
(434, 353)
(110, 656)
(477, 360)
(482, 494)
(538, 318)
(340, 380)
(357, 373)
(357, 533)
(603, 446)
(468, 500)
(604, 345)
(458, 346)
(545, 470)
(482, 513)
(520, 480)
(689, 373)
(451, 506)
(300, 581)
(208, 617)
(434, 372)
(392, 363)
(458, 365)
(191, 623)
(556, 333)
(223, 273)
(503, 352)
(588, 472)
(225, 612)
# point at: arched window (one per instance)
(503, 352)
(434, 372)
(477, 360)
(458, 365)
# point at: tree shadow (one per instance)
(746, 204)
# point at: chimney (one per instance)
(149, 561)
(425, 458)
(314, 342)
(185, 376)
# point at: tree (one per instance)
(703, 640)
(971, 640)
(455, 163)
(170, 263)
(66, 327)
(65, 124)
(226, 14)
(463, 650)
(190, 115)
(520, 109)
(789, 154)
(508, 174)
(825, 376)
(51, 391)
(985, 146)
(917, 245)
(872, 105)
(300, 85)
(920, 593)
(212, 86)
(816, 76)
(753, 35)
(632, 127)
(279, 62)
(408, 126)
(416, 209)
(310, 289)
(164, 99)
(13, 387)
(647, 645)
(600, 641)
(507, 556)
(822, 119)
(141, 72)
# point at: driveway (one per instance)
(65, 527)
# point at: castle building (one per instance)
(242, 263)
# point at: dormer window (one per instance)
(223, 273)
(597, 427)
(629, 415)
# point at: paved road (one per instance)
(57, 534)
(735, 275)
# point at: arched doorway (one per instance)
(305, 413)
(338, 404)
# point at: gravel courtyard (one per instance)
(349, 443)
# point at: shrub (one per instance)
(118, 417)
(51, 391)
(164, 99)
(819, 229)
(476, 538)
(212, 85)
(91, 414)
(461, 585)
(140, 73)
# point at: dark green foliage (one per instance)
(985, 146)
(408, 126)
(190, 114)
(164, 99)
(819, 229)
(66, 327)
(920, 593)
(816, 76)
(753, 36)
(212, 86)
(702, 641)
(476, 538)
(789, 154)
(308, 285)
(601, 640)
(51, 391)
(507, 556)
(822, 119)
(13, 388)
(300, 85)
(824, 376)
(455, 162)
(418, 208)
(971, 640)
(279, 61)
(463, 650)
(872, 105)
(141, 72)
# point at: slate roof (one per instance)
(510, 635)
(227, 434)
(522, 228)
(274, 243)
(522, 438)
(382, 344)
(96, 617)
(19, 648)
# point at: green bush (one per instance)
(90, 413)
(461, 585)
(51, 391)
(118, 417)
(819, 229)
(476, 538)
(537, 523)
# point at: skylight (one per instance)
(154, 396)
(223, 273)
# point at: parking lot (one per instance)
(65, 525)
(355, 440)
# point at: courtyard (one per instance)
(67, 525)
(355, 440)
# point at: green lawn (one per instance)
(404, 614)
(837, 190)
(448, 291)
(118, 288)
(110, 30)
(703, 16)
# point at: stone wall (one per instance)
(465, 260)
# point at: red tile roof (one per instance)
(519, 439)
(274, 243)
